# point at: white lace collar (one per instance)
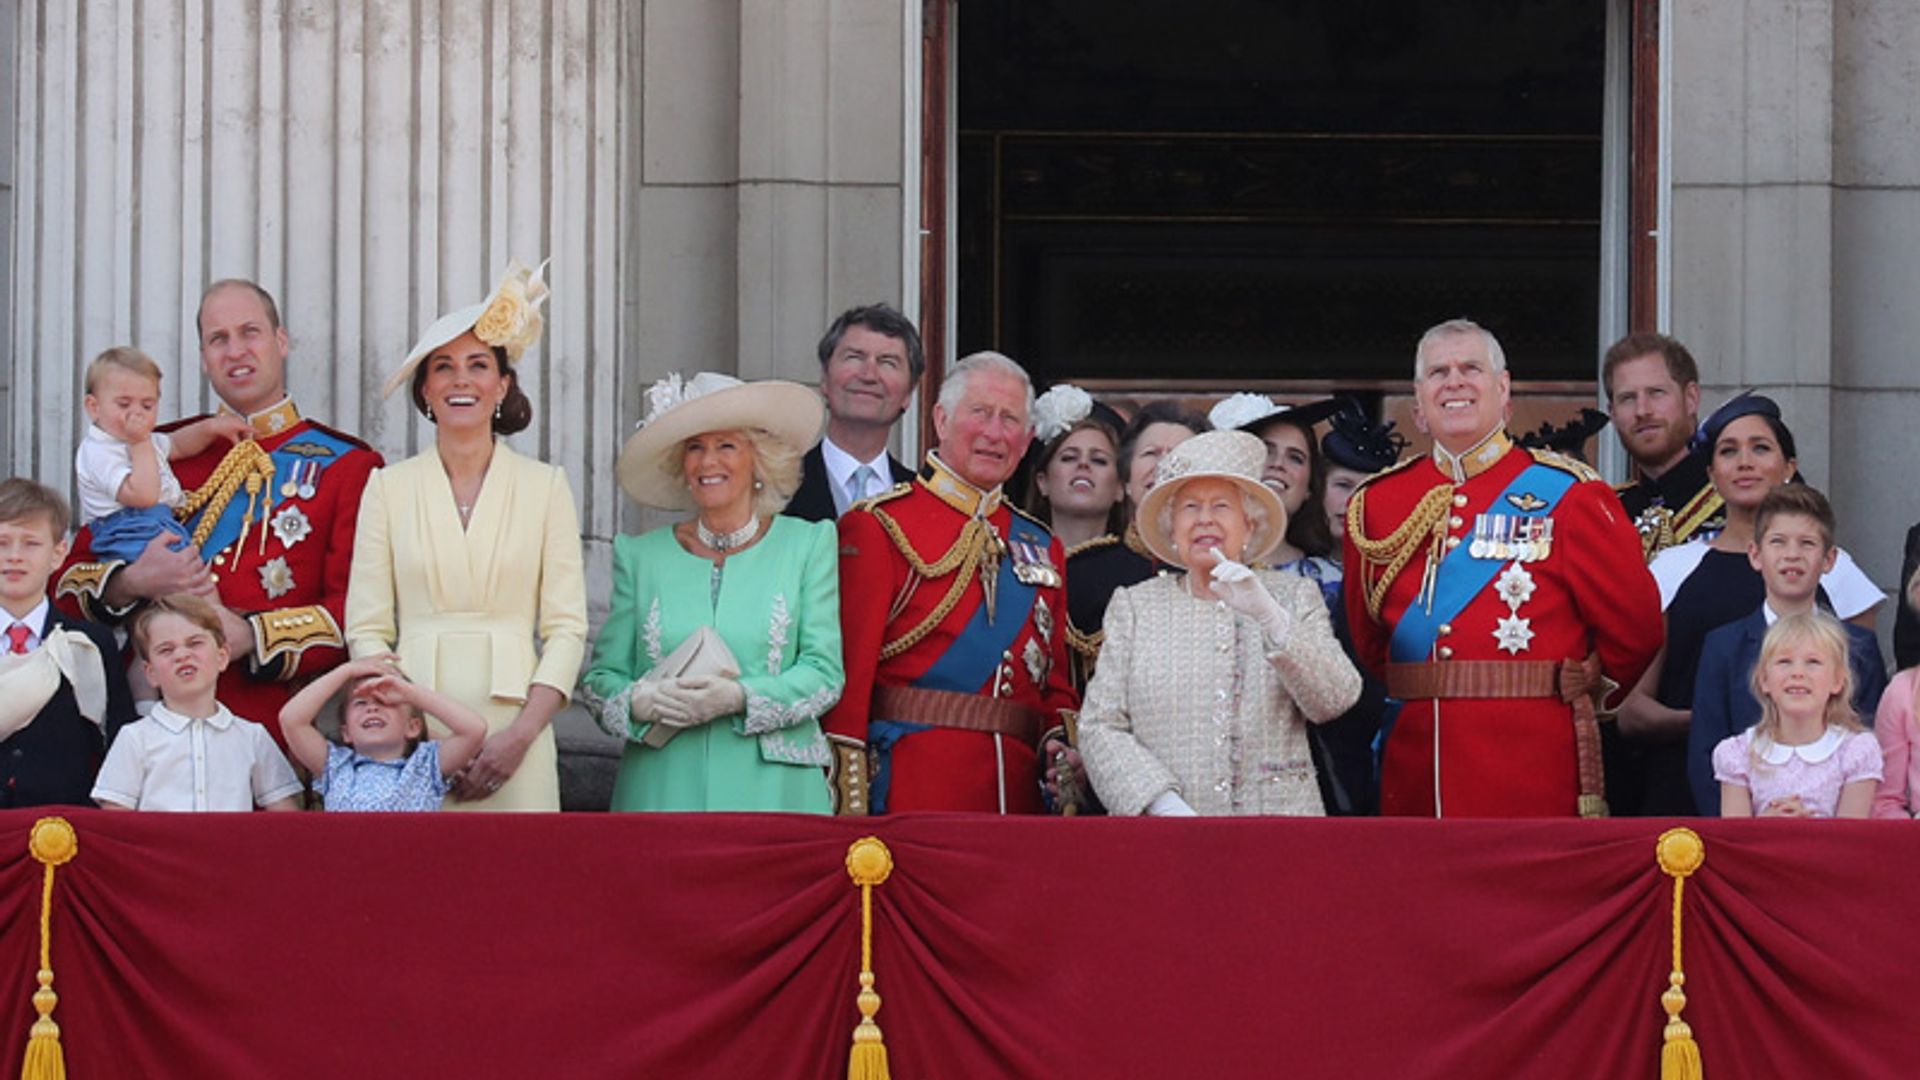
(1812, 753)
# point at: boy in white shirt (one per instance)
(190, 753)
(127, 490)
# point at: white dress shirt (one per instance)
(840, 469)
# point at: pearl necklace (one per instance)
(725, 542)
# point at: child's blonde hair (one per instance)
(122, 358)
(1823, 632)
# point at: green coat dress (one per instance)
(777, 606)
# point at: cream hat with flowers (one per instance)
(677, 410)
(509, 318)
(1234, 456)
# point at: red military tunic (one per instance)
(1508, 757)
(288, 573)
(888, 605)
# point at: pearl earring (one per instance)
(429, 414)
(496, 410)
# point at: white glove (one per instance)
(644, 703)
(1170, 804)
(699, 700)
(1238, 588)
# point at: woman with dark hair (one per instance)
(1157, 428)
(1295, 473)
(466, 553)
(1705, 584)
(1075, 489)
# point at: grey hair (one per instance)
(776, 468)
(1255, 510)
(954, 387)
(1496, 356)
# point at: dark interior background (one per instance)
(1248, 193)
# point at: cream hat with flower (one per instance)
(1234, 456)
(509, 318)
(677, 410)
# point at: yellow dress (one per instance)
(463, 608)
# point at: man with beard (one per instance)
(1653, 392)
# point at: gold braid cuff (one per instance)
(848, 776)
(1427, 522)
(289, 632)
(86, 583)
(975, 542)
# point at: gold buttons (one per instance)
(1446, 628)
(1446, 652)
(1459, 500)
(1452, 542)
(1454, 522)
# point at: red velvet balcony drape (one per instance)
(590, 945)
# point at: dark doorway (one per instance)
(1264, 193)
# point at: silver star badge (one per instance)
(291, 525)
(276, 577)
(1515, 586)
(1514, 634)
(1037, 662)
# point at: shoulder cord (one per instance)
(961, 560)
(1428, 521)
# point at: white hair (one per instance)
(954, 387)
(1496, 356)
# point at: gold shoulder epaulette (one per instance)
(1554, 459)
(1394, 468)
(891, 493)
(1031, 518)
(1095, 544)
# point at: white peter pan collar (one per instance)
(1812, 753)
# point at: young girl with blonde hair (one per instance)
(1808, 756)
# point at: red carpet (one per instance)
(727, 946)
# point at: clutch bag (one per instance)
(703, 653)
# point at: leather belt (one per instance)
(967, 712)
(1576, 682)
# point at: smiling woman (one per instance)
(467, 552)
(722, 648)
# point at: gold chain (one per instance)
(246, 461)
(964, 557)
(1428, 521)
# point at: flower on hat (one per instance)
(673, 391)
(512, 320)
(1239, 410)
(1061, 407)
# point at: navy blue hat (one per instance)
(1355, 442)
(1570, 439)
(1745, 403)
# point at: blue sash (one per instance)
(1460, 576)
(306, 450)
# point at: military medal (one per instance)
(291, 525)
(276, 577)
(312, 475)
(1031, 565)
(1515, 586)
(1478, 549)
(289, 489)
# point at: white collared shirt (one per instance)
(174, 762)
(840, 469)
(35, 621)
(103, 463)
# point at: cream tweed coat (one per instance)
(1191, 697)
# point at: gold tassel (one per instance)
(1680, 852)
(53, 843)
(868, 863)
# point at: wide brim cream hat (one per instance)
(509, 318)
(677, 410)
(1235, 456)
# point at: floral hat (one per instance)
(1225, 455)
(1251, 412)
(678, 409)
(508, 318)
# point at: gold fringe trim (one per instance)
(246, 465)
(1679, 852)
(1427, 522)
(868, 863)
(53, 843)
(973, 550)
